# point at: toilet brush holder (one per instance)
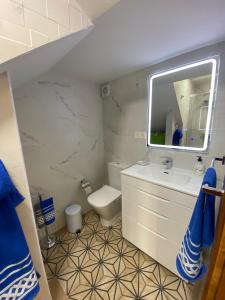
(48, 241)
(48, 213)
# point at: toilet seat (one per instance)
(104, 196)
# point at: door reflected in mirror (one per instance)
(180, 106)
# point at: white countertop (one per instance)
(182, 180)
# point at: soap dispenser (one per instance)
(199, 166)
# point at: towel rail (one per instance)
(212, 191)
(222, 159)
(215, 191)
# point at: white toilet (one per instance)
(107, 200)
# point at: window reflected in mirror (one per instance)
(180, 106)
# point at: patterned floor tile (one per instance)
(98, 263)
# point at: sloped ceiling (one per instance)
(131, 35)
(95, 8)
(38, 61)
(137, 33)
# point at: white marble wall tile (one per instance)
(75, 19)
(58, 10)
(38, 39)
(40, 6)
(35, 21)
(52, 30)
(61, 128)
(63, 31)
(14, 32)
(12, 12)
(10, 48)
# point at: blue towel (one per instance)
(18, 279)
(40, 221)
(48, 210)
(177, 136)
(200, 233)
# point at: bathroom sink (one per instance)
(176, 178)
(159, 173)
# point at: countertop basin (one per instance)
(175, 178)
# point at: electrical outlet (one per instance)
(140, 135)
(143, 135)
(137, 134)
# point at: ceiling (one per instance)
(95, 8)
(136, 33)
(133, 34)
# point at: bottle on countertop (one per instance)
(199, 167)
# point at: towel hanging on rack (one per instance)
(200, 233)
(18, 279)
(48, 210)
(38, 215)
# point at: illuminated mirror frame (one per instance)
(213, 61)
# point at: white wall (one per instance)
(28, 24)
(126, 111)
(60, 123)
(12, 157)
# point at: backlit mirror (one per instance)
(180, 106)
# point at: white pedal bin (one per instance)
(73, 218)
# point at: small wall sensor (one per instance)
(105, 90)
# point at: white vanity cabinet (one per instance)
(155, 218)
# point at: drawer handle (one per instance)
(153, 195)
(155, 233)
(153, 212)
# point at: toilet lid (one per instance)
(103, 196)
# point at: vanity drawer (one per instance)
(151, 243)
(163, 207)
(161, 225)
(161, 216)
(145, 241)
(160, 191)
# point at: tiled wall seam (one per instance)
(32, 23)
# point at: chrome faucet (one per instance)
(168, 162)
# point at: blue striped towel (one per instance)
(48, 210)
(18, 279)
(40, 221)
(200, 233)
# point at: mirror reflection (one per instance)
(181, 102)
